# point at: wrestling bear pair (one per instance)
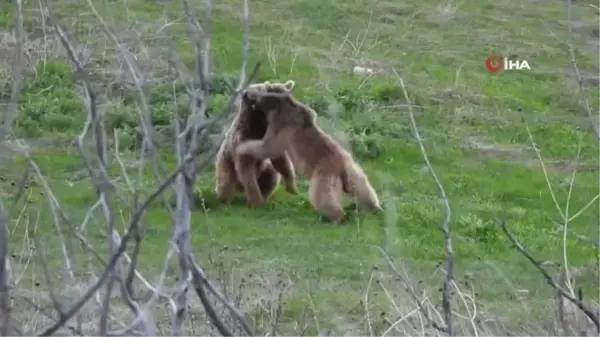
(274, 135)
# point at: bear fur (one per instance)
(257, 178)
(331, 170)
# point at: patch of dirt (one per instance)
(524, 155)
(442, 14)
(588, 79)
(574, 321)
(6, 47)
(590, 32)
(502, 151)
(37, 144)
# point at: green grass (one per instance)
(474, 126)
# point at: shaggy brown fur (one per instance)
(331, 170)
(258, 178)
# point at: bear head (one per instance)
(273, 87)
(253, 120)
(280, 108)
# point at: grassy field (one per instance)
(474, 126)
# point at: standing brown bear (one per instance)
(257, 178)
(332, 171)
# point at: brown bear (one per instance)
(258, 178)
(332, 171)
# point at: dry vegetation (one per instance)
(92, 276)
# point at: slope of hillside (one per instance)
(480, 130)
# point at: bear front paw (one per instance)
(291, 188)
(244, 149)
(255, 203)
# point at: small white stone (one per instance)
(358, 70)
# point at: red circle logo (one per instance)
(494, 64)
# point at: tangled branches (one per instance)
(120, 269)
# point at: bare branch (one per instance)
(577, 235)
(593, 316)
(588, 108)
(182, 180)
(200, 280)
(412, 293)
(4, 273)
(92, 290)
(198, 104)
(445, 225)
(18, 67)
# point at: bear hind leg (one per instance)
(357, 185)
(245, 167)
(326, 197)
(226, 180)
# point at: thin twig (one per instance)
(16, 75)
(593, 316)
(445, 225)
(588, 108)
(182, 180)
(4, 273)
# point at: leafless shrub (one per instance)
(16, 73)
(66, 313)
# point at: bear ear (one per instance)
(250, 96)
(289, 85)
(246, 97)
